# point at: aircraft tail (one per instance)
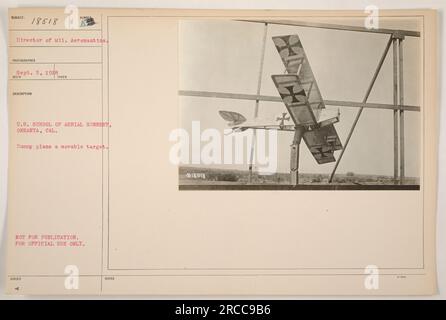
(233, 118)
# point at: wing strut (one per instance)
(294, 158)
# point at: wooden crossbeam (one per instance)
(242, 96)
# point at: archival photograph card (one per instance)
(222, 152)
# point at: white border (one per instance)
(229, 4)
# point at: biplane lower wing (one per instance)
(322, 143)
(295, 99)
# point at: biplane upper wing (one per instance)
(322, 142)
(295, 99)
(295, 60)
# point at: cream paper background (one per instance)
(317, 242)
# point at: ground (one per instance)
(202, 176)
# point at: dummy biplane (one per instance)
(306, 114)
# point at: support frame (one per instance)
(396, 37)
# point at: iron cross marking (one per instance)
(322, 153)
(293, 94)
(288, 46)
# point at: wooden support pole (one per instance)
(256, 110)
(294, 158)
(401, 86)
(395, 111)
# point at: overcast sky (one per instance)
(224, 56)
